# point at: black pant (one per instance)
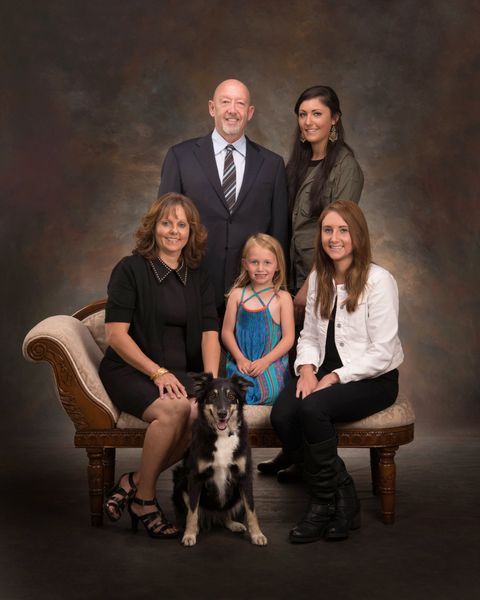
(313, 418)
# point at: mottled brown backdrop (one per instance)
(93, 94)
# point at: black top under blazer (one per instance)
(189, 168)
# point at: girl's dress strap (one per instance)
(271, 297)
(256, 295)
(261, 291)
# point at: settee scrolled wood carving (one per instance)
(259, 438)
(80, 407)
(373, 438)
(114, 438)
(69, 403)
(43, 350)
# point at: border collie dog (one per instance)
(215, 479)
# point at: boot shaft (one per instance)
(321, 469)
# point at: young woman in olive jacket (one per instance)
(322, 168)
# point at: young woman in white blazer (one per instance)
(347, 358)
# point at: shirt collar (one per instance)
(162, 270)
(220, 143)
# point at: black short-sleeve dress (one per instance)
(168, 310)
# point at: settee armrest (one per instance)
(68, 346)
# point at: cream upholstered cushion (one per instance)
(399, 414)
(95, 323)
(258, 417)
(127, 421)
(81, 349)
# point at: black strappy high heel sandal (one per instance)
(155, 530)
(118, 504)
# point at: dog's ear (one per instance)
(200, 383)
(241, 383)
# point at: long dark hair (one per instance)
(302, 152)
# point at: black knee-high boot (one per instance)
(321, 470)
(271, 467)
(347, 507)
(334, 506)
(282, 461)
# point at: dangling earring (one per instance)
(333, 135)
(302, 139)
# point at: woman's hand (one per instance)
(258, 366)
(169, 385)
(327, 381)
(307, 381)
(244, 365)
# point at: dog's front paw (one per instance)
(189, 539)
(235, 526)
(258, 539)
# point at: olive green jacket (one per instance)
(344, 183)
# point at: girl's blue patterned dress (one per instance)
(257, 334)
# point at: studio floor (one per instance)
(49, 551)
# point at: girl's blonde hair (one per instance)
(357, 273)
(273, 245)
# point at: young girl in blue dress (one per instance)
(258, 328)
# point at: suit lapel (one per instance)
(203, 150)
(253, 162)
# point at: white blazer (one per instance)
(366, 339)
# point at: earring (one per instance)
(333, 135)
(302, 139)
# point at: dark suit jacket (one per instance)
(190, 169)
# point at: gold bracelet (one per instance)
(160, 371)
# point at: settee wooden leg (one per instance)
(386, 467)
(374, 467)
(95, 485)
(108, 469)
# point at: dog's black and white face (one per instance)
(221, 400)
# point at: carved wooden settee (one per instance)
(74, 346)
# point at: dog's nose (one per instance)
(222, 414)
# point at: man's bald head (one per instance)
(231, 109)
(232, 86)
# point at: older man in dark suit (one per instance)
(238, 186)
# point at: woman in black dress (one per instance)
(160, 323)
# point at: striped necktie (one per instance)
(229, 181)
